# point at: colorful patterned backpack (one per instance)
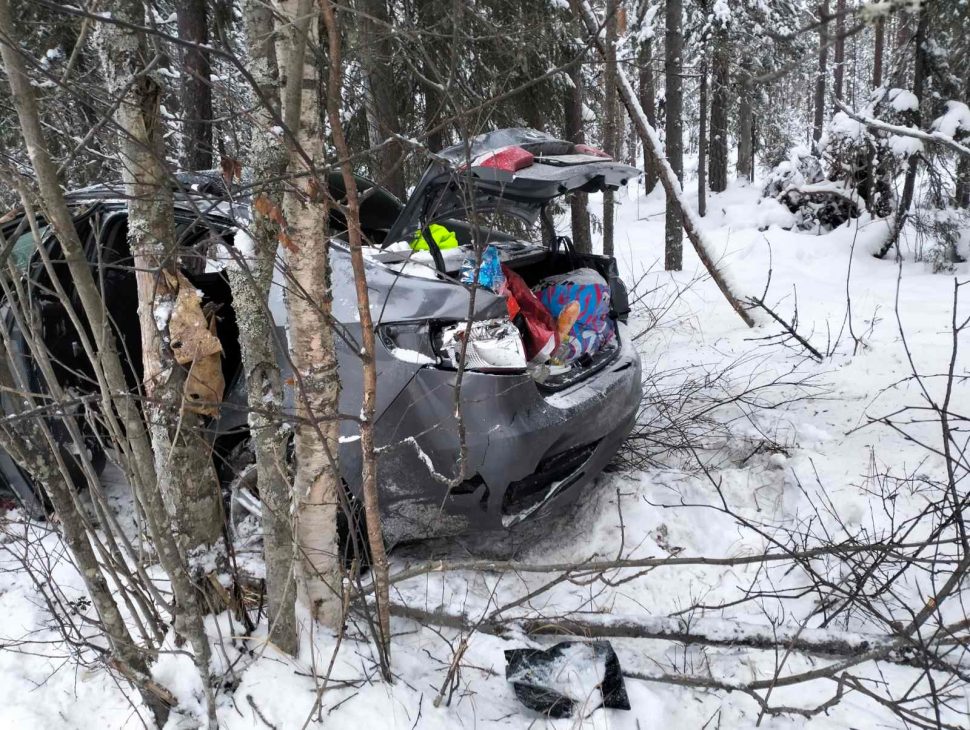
(594, 327)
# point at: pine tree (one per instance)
(823, 56)
(195, 87)
(673, 75)
(720, 110)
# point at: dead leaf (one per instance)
(314, 190)
(195, 344)
(231, 169)
(205, 385)
(268, 209)
(262, 205)
(288, 242)
(189, 332)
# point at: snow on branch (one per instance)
(936, 137)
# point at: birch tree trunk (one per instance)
(250, 281)
(183, 462)
(311, 333)
(121, 416)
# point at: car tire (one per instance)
(243, 504)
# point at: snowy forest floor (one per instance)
(784, 436)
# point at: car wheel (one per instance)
(244, 510)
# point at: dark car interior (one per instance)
(105, 237)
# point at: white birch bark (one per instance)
(121, 416)
(250, 281)
(311, 333)
(184, 469)
(185, 475)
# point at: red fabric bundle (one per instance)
(540, 326)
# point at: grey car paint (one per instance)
(511, 426)
(529, 451)
(395, 298)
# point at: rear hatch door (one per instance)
(478, 176)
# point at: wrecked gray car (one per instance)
(534, 440)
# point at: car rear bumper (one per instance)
(526, 453)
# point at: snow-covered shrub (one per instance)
(856, 157)
(801, 168)
(942, 234)
(941, 228)
(799, 184)
(854, 165)
(867, 159)
(954, 122)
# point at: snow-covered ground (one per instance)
(805, 457)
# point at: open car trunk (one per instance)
(536, 264)
(516, 173)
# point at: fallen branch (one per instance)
(600, 566)
(653, 152)
(819, 189)
(693, 680)
(694, 631)
(259, 713)
(143, 681)
(788, 327)
(851, 648)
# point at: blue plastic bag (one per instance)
(490, 274)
